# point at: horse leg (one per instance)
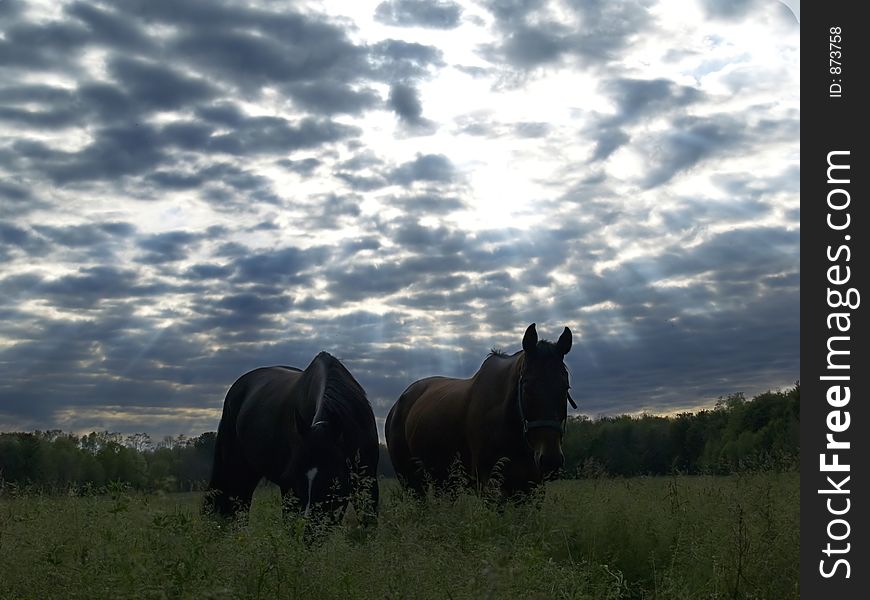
(232, 484)
(521, 482)
(366, 492)
(235, 497)
(216, 499)
(442, 483)
(232, 479)
(371, 495)
(289, 503)
(421, 479)
(409, 470)
(243, 493)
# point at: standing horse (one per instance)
(512, 411)
(307, 431)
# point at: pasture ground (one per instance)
(663, 537)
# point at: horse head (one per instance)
(320, 471)
(542, 398)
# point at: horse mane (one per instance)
(494, 351)
(344, 400)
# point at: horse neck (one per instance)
(516, 372)
(501, 380)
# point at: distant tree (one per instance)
(140, 442)
(736, 435)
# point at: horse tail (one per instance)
(339, 383)
(344, 399)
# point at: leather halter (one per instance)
(538, 423)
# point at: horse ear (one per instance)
(564, 343)
(530, 339)
(302, 425)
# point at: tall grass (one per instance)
(666, 537)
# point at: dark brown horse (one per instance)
(307, 431)
(513, 411)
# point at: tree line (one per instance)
(54, 460)
(736, 435)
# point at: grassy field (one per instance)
(667, 537)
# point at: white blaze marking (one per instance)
(311, 474)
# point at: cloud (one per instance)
(16, 199)
(171, 246)
(279, 266)
(398, 60)
(13, 237)
(207, 271)
(113, 152)
(641, 97)
(608, 140)
(414, 236)
(86, 235)
(291, 49)
(157, 87)
(419, 13)
(531, 129)
(89, 287)
(270, 135)
(10, 8)
(428, 204)
(38, 106)
(305, 166)
(254, 305)
(106, 102)
(689, 142)
(636, 99)
(528, 47)
(533, 37)
(365, 173)
(110, 28)
(729, 9)
(331, 97)
(45, 46)
(14, 192)
(190, 190)
(429, 167)
(405, 101)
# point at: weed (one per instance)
(649, 537)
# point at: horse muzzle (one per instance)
(549, 464)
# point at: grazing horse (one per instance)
(308, 431)
(512, 411)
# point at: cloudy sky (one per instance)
(189, 190)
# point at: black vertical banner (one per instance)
(835, 369)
